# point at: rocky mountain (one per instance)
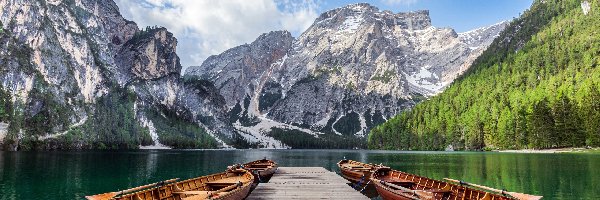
(537, 86)
(75, 74)
(355, 67)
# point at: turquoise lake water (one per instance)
(72, 175)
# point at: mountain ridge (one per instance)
(77, 75)
(352, 61)
(86, 78)
(536, 87)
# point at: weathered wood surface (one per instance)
(305, 183)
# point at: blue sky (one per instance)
(209, 27)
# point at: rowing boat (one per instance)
(233, 184)
(357, 172)
(393, 185)
(261, 169)
(360, 175)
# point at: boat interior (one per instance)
(356, 166)
(429, 188)
(258, 166)
(196, 188)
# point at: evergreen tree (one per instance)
(566, 124)
(534, 87)
(506, 129)
(590, 113)
(541, 124)
(521, 131)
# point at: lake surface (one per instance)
(72, 175)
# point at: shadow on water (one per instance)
(71, 175)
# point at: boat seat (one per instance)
(196, 192)
(226, 181)
(432, 193)
(196, 197)
(222, 183)
(437, 190)
(202, 197)
(266, 165)
(356, 165)
(256, 168)
(401, 182)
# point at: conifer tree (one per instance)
(541, 124)
(590, 113)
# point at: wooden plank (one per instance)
(305, 183)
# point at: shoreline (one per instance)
(548, 151)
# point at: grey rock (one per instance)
(236, 71)
(73, 52)
(354, 59)
(150, 55)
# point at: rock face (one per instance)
(59, 57)
(235, 69)
(75, 74)
(353, 68)
(150, 54)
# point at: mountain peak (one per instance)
(355, 66)
(348, 10)
(359, 6)
(354, 15)
(270, 36)
(417, 20)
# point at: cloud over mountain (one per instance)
(206, 28)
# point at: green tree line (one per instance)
(300, 140)
(111, 121)
(536, 86)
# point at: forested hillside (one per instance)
(77, 75)
(536, 86)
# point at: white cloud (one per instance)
(399, 2)
(209, 27)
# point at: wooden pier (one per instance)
(305, 183)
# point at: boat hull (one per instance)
(242, 194)
(386, 194)
(267, 173)
(356, 177)
(230, 185)
(395, 185)
(261, 169)
(357, 172)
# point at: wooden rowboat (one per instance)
(393, 185)
(261, 169)
(357, 172)
(230, 185)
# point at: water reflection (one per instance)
(71, 175)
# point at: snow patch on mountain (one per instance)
(351, 24)
(150, 125)
(322, 123)
(258, 133)
(3, 131)
(481, 37)
(222, 143)
(363, 127)
(422, 79)
(352, 59)
(585, 7)
(79, 123)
